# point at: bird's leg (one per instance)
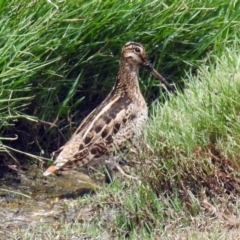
(112, 162)
(137, 148)
(108, 174)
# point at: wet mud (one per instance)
(28, 198)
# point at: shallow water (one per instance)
(27, 197)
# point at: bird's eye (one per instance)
(137, 50)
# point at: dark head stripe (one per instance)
(133, 43)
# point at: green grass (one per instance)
(195, 135)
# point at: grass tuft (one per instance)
(195, 134)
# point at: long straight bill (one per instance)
(158, 76)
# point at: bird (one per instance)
(115, 122)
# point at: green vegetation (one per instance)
(56, 59)
(196, 133)
(59, 61)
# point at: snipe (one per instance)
(115, 121)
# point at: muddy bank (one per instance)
(27, 197)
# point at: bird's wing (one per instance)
(93, 114)
(98, 136)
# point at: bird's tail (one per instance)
(50, 170)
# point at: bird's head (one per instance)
(134, 53)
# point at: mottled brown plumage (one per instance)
(114, 122)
